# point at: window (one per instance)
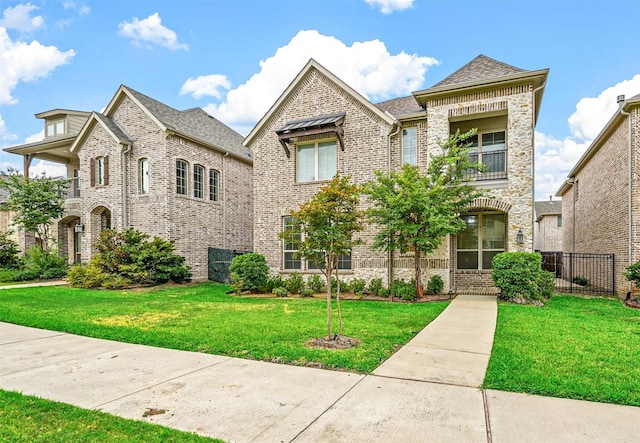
(293, 262)
(214, 185)
(198, 181)
(409, 143)
(490, 149)
(99, 171)
(75, 184)
(559, 221)
(144, 176)
(181, 177)
(55, 128)
(100, 167)
(316, 161)
(289, 249)
(482, 238)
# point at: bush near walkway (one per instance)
(520, 276)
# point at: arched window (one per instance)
(198, 181)
(144, 176)
(214, 185)
(181, 177)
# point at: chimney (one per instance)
(620, 101)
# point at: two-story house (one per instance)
(320, 126)
(178, 175)
(601, 196)
(547, 232)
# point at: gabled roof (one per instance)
(110, 125)
(544, 208)
(401, 106)
(599, 141)
(284, 97)
(194, 124)
(478, 69)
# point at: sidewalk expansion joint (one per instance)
(486, 416)
(59, 334)
(435, 382)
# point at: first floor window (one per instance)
(181, 177)
(198, 181)
(144, 176)
(483, 238)
(409, 146)
(316, 161)
(289, 247)
(214, 185)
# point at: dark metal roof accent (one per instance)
(311, 126)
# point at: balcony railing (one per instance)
(73, 191)
(495, 165)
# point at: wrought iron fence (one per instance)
(219, 263)
(581, 273)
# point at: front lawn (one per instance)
(30, 419)
(587, 349)
(204, 318)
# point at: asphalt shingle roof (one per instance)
(195, 123)
(115, 128)
(543, 208)
(400, 106)
(480, 68)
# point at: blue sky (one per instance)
(234, 57)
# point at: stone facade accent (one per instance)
(373, 142)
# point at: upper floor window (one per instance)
(316, 161)
(489, 149)
(181, 177)
(144, 176)
(559, 221)
(75, 184)
(409, 146)
(100, 171)
(198, 181)
(55, 128)
(214, 185)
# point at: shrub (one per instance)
(357, 285)
(582, 281)
(316, 283)
(236, 284)
(403, 290)
(280, 291)
(520, 275)
(294, 283)
(375, 285)
(8, 252)
(383, 292)
(157, 259)
(38, 263)
(252, 269)
(273, 282)
(435, 284)
(306, 292)
(89, 276)
(546, 283)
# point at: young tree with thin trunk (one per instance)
(415, 211)
(37, 202)
(323, 229)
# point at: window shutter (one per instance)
(106, 170)
(93, 172)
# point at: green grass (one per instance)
(204, 318)
(587, 349)
(30, 420)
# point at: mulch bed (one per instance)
(350, 296)
(633, 303)
(338, 342)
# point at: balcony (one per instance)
(495, 165)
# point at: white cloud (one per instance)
(5, 135)
(368, 67)
(37, 137)
(19, 18)
(555, 158)
(149, 32)
(206, 85)
(388, 6)
(20, 61)
(49, 169)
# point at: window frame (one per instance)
(214, 185)
(286, 224)
(481, 152)
(480, 249)
(316, 159)
(100, 169)
(410, 157)
(143, 171)
(57, 127)
(182, 177)
(198, 181)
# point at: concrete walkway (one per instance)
(427, 391)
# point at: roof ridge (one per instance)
(469, 71)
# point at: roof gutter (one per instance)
(390, 252)
(629, 191)
(533, 149)
(126, 148)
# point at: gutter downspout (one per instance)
(630, 199)
(390, 252)
(125, 178)
(533, 154)
(224, 202)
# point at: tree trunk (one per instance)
(417, 269)
(328, 271)
(338, 303)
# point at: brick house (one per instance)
(601, 196)
(178, 175)
(320, 125)
(547, 229)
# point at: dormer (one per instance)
(61, 122)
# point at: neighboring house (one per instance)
(601, 196)
(320, 126)
(178, 175)
(547, 232)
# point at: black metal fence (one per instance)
(581, 272)
(219, 263)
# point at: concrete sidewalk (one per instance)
(428, 391)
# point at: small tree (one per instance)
(415, 211)
(323, 229)
(36, 201)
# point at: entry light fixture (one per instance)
(520, 237)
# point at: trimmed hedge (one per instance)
(519, 275)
